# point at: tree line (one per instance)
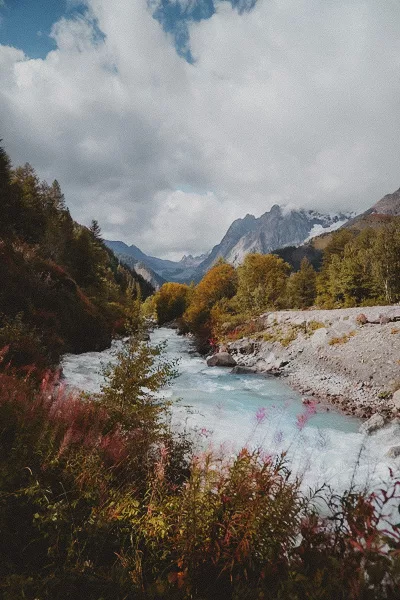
(62, 289)
(357, 268)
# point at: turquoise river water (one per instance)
(231, 411)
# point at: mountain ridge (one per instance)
(279, 228)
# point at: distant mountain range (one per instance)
(156, 270)
(276, 229)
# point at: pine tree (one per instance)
(95, 230)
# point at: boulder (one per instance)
(319, 337)
(221, 359)
(396, 400)
(361, 319)
(240, 370)
(393, 452)
(247, 348)
(278, 364)
(375, 422)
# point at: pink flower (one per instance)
(305, 416)
(205, 432)
(261, 415)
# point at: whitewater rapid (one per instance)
(231, 411)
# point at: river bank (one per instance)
(230, 411)
(347, 357)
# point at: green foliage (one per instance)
(60, 278)
(25, 345)
(171, 302)
(262, 280)
(132, 384)
(363, 269)
(301, 290)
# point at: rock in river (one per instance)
(375, 422)
(221, 359)
(393, 452)
(239, 370)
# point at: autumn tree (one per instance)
(171, 301)
(220, 282)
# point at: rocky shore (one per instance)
(347, 357)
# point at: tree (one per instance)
(32, 222)
(262, 282)
(9, 209)
(131, 387)
(218, 283)
(171, 301)
(302, 286)
(386, 263)
(95, 230)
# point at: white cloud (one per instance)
(293, 102)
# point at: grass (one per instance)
(342, 339)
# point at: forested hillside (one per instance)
(61, 288)
(357, 267)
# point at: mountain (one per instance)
(382, 212)
(277, 228)
(385, 208)
(141, 269)
(153, 269)
(388, 205)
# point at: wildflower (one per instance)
(205, 432)
(261, 415)
(303, 418)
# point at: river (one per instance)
(230, 411)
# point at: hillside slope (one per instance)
(64, 290)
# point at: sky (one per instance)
(165, 120)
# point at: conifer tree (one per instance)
(95, 230)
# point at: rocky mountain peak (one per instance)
(388, 205)
(276, 228)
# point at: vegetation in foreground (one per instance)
(101, 500)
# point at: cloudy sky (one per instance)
(167, 119)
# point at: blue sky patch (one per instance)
(26, 24)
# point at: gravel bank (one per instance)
(348, 357)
